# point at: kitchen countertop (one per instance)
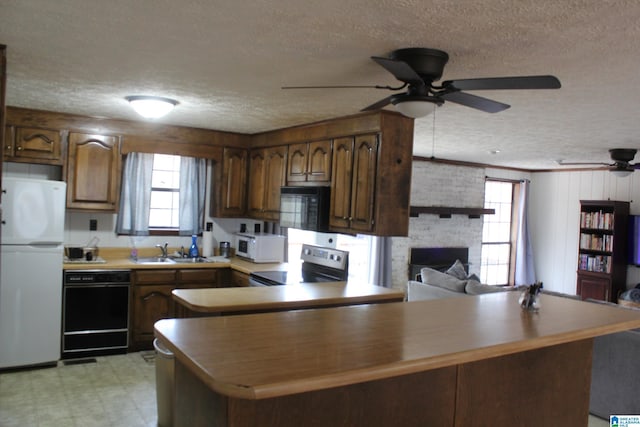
(268, 355)
(118, 259)
(295, 296)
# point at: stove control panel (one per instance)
(327, 257)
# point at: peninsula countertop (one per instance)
(294, 296)
(278, 354)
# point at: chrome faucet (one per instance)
(163, 248)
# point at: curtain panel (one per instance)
(135, 195)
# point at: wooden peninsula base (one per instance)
(462, 362)
(536, 388)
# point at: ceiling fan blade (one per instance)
(473, 101)
(563, 163)
(400, 69)
(332, 87)
(378, 105)
(493, 83)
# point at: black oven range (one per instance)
(319, 264)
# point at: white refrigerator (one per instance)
(31, 254)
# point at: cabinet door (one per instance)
(239, 279)
(234, 182)
(93, 172)
(594, 287)
(205, 277)
(151, 303)
(38, 144)
(297, 165)
(275, 177)
(341, 183)
(257, 164)
(319, 163)
(363, 184)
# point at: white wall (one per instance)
(77, 223)
(554, 220)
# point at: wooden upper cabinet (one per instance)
(267, 173)
(93, 172)
(33, 145)
(230, 189)
(309, 162)
(353, 183)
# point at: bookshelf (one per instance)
(602, 249)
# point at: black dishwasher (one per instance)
(95, 312)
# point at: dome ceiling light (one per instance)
(151, 107)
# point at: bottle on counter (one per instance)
(193, 250)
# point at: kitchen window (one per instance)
(163, 194)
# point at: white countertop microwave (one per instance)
(260, 247)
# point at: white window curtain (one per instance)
(380, 265)
(193, 176)
(135, 195)
(524, 270)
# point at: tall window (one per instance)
(165, 192)
(497, 234)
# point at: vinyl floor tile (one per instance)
(114, 391)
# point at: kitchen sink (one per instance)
(179, 260)
(155, 260)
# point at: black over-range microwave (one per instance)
(305, 208)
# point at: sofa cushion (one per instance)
(442, 280)
(417, 291)
(473, 287)
(457, 270)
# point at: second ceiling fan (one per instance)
(419, 68)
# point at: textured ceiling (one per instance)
(225, 61)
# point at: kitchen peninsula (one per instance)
(194, 302)
(452, 362)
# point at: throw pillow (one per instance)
(474, 277)
(442, 280)
(473, 287)
(457, 270)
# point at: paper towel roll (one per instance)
(207, 243)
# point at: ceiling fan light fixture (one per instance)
(151, 107)
(622, 172)
(416, 107)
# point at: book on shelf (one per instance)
(596, 242)
(597, 263)
(597, 220)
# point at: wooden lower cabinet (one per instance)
(595, 286)
(152, 300)
(239, 279)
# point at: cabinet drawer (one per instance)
(154, 276)
(187, 276)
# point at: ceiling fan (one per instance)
(419, 68)
(621, 158)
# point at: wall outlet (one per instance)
(93, 225)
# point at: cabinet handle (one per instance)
(8, 147)
(19, 148)
(151, 295)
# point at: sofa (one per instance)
(451, 283)
(615, 373)
(615, 370)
